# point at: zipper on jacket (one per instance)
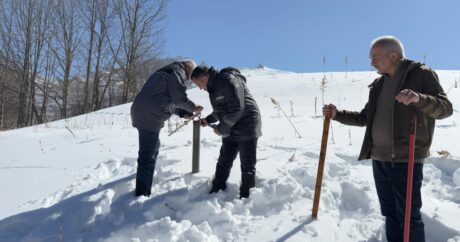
(393, 136)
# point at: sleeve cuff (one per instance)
(422, 102)
(210, 119)
(223, 129)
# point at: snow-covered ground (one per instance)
(72, 180)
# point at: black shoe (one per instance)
(142, 193)
(244, 195)
(215, 189)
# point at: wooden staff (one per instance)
(322, 157)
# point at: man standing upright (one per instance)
(404, 89)
(162, 95)
(239, 123)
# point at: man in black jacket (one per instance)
(239, 123)
(404, 89)
(162, 95)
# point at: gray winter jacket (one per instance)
(162, 95)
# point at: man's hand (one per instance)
(198, 109)
(203, 122)
(216, 131)
(407, 97)
(330, 110)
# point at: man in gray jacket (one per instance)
(239, 123)
(161, 96)
(405, 89)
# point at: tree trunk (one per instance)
(23, 102)
(92, 24)
(2, 98)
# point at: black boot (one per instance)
(248, 180)
(146, 193)
(216, 189)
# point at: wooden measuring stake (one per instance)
(322, 157)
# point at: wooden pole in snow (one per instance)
(322, 158)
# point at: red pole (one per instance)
(410, 174)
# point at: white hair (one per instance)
(389, 43)
(189, 64)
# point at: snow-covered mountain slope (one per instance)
(72, 180)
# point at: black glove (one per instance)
(182, 113)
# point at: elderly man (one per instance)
(162, 95)
(239, 123)
(404, 89)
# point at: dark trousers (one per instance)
(228, 153)
(149, 145)
(391, 183)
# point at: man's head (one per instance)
(385, 54)
(189, 66)
(200, 77)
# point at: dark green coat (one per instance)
(433, 105)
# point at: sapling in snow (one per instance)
(349, 135)
(332, 135)
(170, 125)
(316, 100)
(323, 87)
(278, 106)
(292, 157)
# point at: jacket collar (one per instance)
(405, 67)
(212, 78)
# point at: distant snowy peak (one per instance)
(263, 69)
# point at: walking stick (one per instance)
(322, 157)
(410, 174)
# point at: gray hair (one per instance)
(189, 64)
(389, 43)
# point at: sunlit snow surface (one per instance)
(73, 180)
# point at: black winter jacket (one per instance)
(233, 106)
(162, 95)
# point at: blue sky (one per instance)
(295, 35)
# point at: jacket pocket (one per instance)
(422, 137)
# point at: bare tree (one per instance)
(46, 51)
(17, 25)
(89, 12)
(24, 29)
(67, 38)
(41, 33)
(5, 40)
(105, 16)
(141, 28)
(46, 85)
(110, 83)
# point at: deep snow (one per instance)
(72, 180)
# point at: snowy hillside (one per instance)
(72, 180)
